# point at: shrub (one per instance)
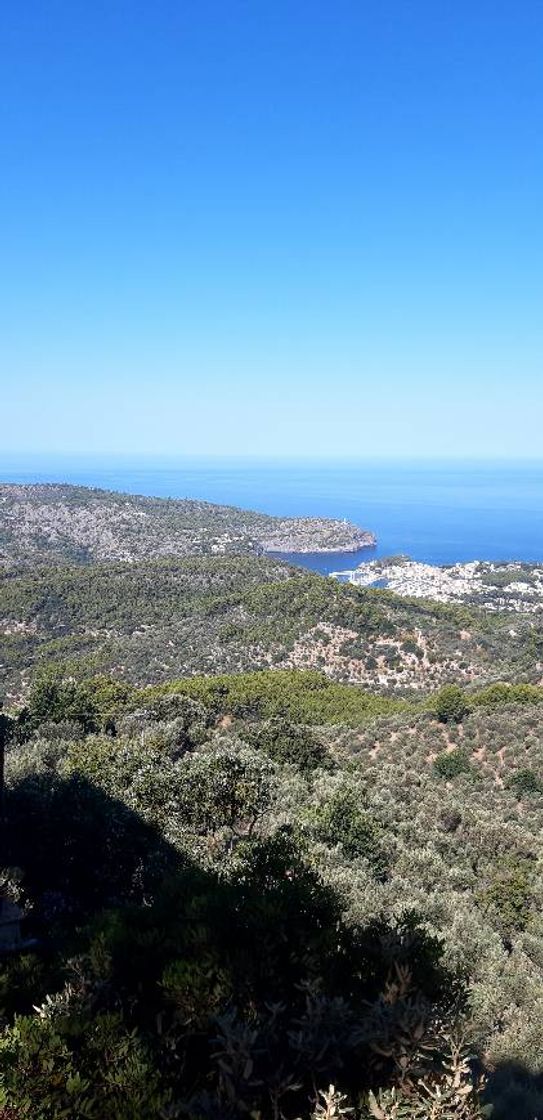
(228, 786)
(287, 742)
(51, 1068)
(451, 819)
(509, 896)
(411, 646)
(450, 763)
(524, 781)
(450, 704)
(56, 699)
(343, 821)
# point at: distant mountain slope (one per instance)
(156, 620)
(74, 524)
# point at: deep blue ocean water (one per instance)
(441, 513)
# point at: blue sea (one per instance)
(440, 513)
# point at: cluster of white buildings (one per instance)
(459, 583)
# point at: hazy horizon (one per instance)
(172, 458)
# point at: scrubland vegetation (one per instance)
(243, 890)
(277, 844)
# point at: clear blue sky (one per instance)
(272, 227)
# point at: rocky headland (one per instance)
(74, 524)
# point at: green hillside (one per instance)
(292, 881)
(158, 620)
(275, 841)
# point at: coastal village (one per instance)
(490, 586)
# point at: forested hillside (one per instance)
(274, 841)
(79, 525)
(154, 620)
